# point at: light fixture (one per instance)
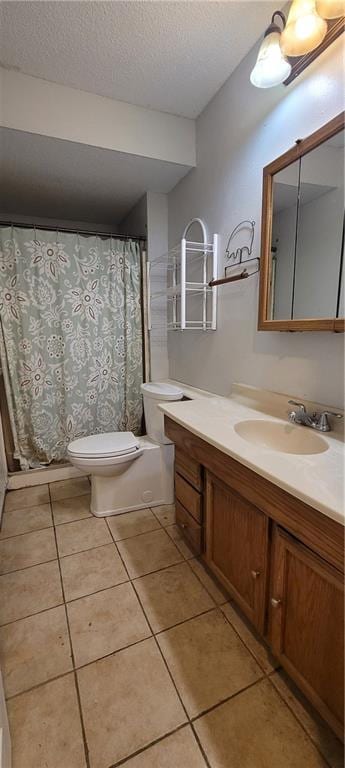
(271, 67)
(304, 29)
(330, 9)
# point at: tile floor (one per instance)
(117, 648)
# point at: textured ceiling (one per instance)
(51, 178)
(169, 56)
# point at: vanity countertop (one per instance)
(316, 479)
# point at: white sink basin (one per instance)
(285, 438)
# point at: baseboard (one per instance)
(31, 477)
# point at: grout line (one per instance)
(259, 663)
(157, 570)
(301, 724)
(76, 520)
(136, 535)
(30, 615)
(88, 549)
(226, 699)
(192, 556)
(97, 591)
(39, 685)
(158, 647)
(86, 749)
(26, 567)
(23, 509)
(184, 621)
(202, 750)
(124, 760)
(226, 599)
(23, 533)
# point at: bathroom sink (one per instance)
(284, 438)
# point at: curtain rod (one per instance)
(66, 229)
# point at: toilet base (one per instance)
(146, 482)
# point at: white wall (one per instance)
(157, 245)
(239, 132)
(150, 216)
(38, 106)
(42, 221)
(135, 222)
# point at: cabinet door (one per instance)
(306, 624)
(237, 547)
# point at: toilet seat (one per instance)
(109, 445)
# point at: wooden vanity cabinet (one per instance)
(189, 481)
(237, 547)
(281, 561)
(306, 622)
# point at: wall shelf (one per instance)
(187, 268)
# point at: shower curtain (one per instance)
(70, 338)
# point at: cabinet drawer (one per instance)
(191, 530)
(189, 468)
(189, 497)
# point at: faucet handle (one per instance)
(322, 421)
(298, 405)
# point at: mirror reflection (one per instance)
(307, 240)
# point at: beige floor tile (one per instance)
(148, 552)
(82, 535)
(180, 750)
(30, 591)
(174, 532)
(19, 521)
(105, 622)
(320, 733)
(66, 489)
(26, 550)
(165, 514)
(256, 730)
(67, 510)
(132, 523)
(128, 701)
(45, 727)
(171, 596)
(34, 650)
(91, 571)
(207, 661)
(24, 593)
(250, 638)
(27, 497)
(211, 584)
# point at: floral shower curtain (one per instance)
(70, 338)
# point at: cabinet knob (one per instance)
(183, 525)
(255, 574)
(275, 603)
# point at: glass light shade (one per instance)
(304, 30)
(271, 67)
(330, 9)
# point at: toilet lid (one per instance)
(160, 391)
(104, 445)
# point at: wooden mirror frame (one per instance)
(301, 148)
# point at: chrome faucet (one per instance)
(319, 421)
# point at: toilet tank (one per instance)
(153, 394)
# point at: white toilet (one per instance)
(129, 472)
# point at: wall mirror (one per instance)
(302, 240)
